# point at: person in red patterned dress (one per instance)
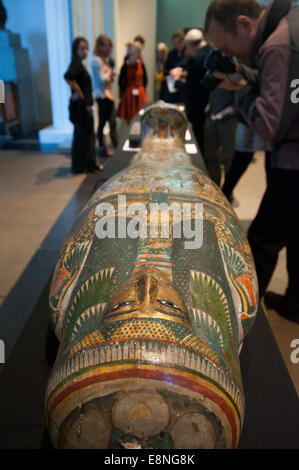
(132, 83)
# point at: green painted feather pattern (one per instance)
(208, 330)
(238, 267)
(94, 291)
(75, 257)
(72, 265)
(88, 322)
(208, 296)
(233, 260)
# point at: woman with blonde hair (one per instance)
(161, 57)
(102, 76)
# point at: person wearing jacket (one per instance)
(243, 28)
(77, 77)
(132, 84)
(174, 59)
(196, 96)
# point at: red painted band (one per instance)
(154, 375)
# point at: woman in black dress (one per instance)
(83, 148)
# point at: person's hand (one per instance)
(109, 72)
(176, 73)
(231, 81)
(77, 95)
(184, 74)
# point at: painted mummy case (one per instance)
(150, 331)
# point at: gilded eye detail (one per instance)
(122, 304)
(167, 303)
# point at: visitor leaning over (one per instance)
(244, 29)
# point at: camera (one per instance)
(216, 61)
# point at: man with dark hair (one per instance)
(244, 29)
(226, 13)
(178, 34)
(175, 56)
(173, 61)
(141, 40)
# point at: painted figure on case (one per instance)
(150, 331)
